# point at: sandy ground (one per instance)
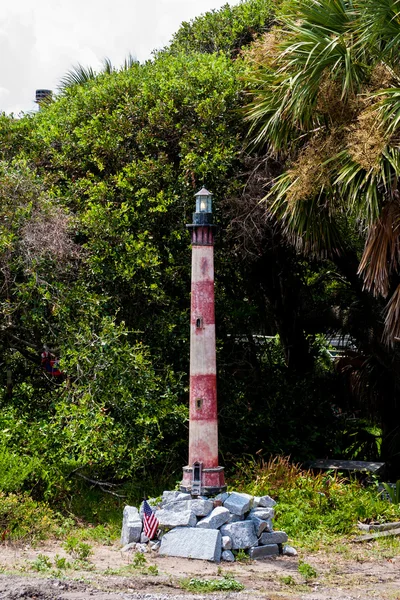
(110, 575)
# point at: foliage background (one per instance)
(96, 190)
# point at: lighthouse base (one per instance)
(212, 481)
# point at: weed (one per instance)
(306, 570)
(227, 583)
(139, 560)
(242, 557)
(152, 570)
(288, 580)
(60, 562)
(41, 563)
(78, 550)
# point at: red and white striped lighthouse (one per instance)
(203, 476)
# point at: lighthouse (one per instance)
(203, 475)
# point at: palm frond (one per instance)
(382, 250)
(78, 75)
(321, 42)
(392, 318)
(107, 66)
(129, 62)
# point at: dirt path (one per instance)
(32, 573)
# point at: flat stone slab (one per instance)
(242, 534)
(259, 552)
(192, 542)
(170, 518)
(276, 537)
(131, 526)
(238, 504)
(215, 519)
(347, 465)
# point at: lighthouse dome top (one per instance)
(203, 201)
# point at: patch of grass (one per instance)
(227, 583)
(306, 570)
(288, 580)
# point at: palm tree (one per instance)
(326, 102)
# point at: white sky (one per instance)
(40, 40)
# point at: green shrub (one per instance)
(314, 508)
(77, 549)
(15, 469)
(22, 518)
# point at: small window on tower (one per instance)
(199, 403)
(199, 323)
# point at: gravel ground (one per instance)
(360, 573)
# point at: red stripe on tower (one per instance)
(203, 475)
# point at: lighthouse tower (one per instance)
(203, 476)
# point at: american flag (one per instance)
(150, 522)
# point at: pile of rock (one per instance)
(208, 528)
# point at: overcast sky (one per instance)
(40, 40)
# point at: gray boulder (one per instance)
(131, 525)
(201, 507)
(155, 545)
(226, 542)
(177, 505)
(228, 556)
(269, 528)
(128, 547)
(258, 552)
(215, 519)
(171, 518)
(242, 534)
(174, 495)
(234, 518)
(143, 538)
(262, 513)
(259, 524)
(289, 551)
(276, 537)
(266, 502)
(192, 542)
(238, 504)
(222, 497)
